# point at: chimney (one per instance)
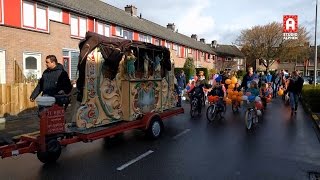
(214, 44)
(131, 9)
(171, 26)
(194, 36)
(203, 40)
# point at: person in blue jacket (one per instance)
(269, 77)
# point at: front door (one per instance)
(2, 67)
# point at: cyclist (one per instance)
(218, 90)
(253, 89)
(197, 92)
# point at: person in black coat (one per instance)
(54, 80)
(294, 88)
(250, 76)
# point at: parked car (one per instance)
(307, 80)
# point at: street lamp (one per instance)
(315, 46)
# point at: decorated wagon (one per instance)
(123, 85)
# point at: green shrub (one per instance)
(189, 68)
(311, 96)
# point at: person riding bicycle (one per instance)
(218, 90)
(253, 91)
(197, 92)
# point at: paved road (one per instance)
(281, 147)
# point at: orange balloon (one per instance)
(234, 80)
(240, 93)
(211, 98)
(239, 98)
(234, 97)
(229, 91)
(231, 86)
(235, 93)
(228, 81)
(280, 92)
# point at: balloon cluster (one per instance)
(232, 95)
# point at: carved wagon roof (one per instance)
(112, 50)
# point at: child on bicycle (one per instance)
(253, 89)
(218, 90)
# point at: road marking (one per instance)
(182, 133)
(315, 117)
(134, 160)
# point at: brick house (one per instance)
(229, 57)
(32, 29)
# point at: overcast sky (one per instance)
(222, 20)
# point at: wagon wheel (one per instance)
(155, 128)
(52, 153)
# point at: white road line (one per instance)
(134, 160)
(182, 133)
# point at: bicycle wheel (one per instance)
(193, 108)
(249, 118)
(211, 112)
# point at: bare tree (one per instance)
(266, 43)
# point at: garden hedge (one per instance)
(311, 96)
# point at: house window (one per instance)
(168, 45)
(119, 31)
(78, 26)
(179, 51)
(202, 53)
(175, 47)
(157, 42)
(127, 34)
(55, 14)
(228, 59)
(189, 50)
(145, 38)
(35, 16)
(32, 65)
(103, 29)
(70, 62)
(1, 10)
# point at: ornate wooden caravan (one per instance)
(122, 80)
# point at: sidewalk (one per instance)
(13, 126)
(17, 125)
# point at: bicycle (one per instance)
(216, 107)
(252, 115)
(195, 106)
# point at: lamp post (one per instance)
(315, 47)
